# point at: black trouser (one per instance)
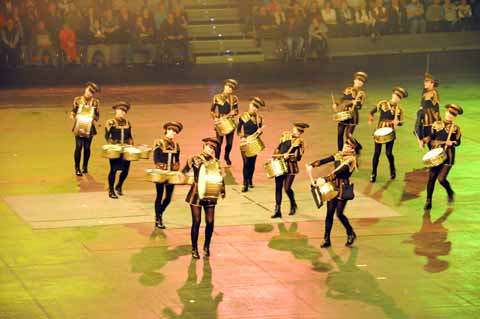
(438, 172)
(197, 219)
(161, 203)
(388, 151)
(338, 206)
(343, 130)
(284, 181)
(82, 143)
(248, 168)
(118, 165)
(228, 146)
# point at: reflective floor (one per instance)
(407, 263)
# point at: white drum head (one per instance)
(383, 131)
(433, 153)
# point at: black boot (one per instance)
(250, 183)
(195, 254)
(293, 208)
(118, 188)
(393, 173)
(85, 170)
(228, 161)
(373, 178)
(428, 204)
(278, 213)
(351, 238)
(159, 223)
(245, 187)
(111, 194)
(78, 172)
(451, 197)
(206, 252)
(326, 242)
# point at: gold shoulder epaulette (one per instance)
(110, 123)
(348, 90)
(297, 142)
(245, 117)
(438, 125)
(287, 135)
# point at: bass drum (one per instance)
(210, 181)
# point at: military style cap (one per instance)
(429, 77)
(353, 142)
(125, 106)
(400, 92)
(362, 76)
(212, 141)
(257, 102)
(176, 126)
(301, 126)
(454, 109)
(232, 83)
(93, 87)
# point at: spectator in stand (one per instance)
(110, 26)
(296, 9)
(53, 21)
(263, 24)
(329, 16)
(68, 43)
(175, 39)
(180, 16)
(273, 6)
(380, 14)
(29, 22)
(317, 37)
(126, 23)
(11, 42)
(435, 17)
(416, 21)
(148, 23)
(7, 7)
(450, 15)
(44, 44)
(65, 7)
(295, 36)
(364, 20)
(346, 20)
(141, 40)
(475, 14)
(397, 20)
(160, 14)
(78, 21)
(97, 45)
(312, 11)
(464, 15)
(279, 29)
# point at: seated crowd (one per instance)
(67, 31)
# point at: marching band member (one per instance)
(166, 156)
(250, 123)
(429, 111)
(291, 147)
(118, 131)
(345, 163)
(391, 115)
(448, 135)
(89, 105)
(352, 101)
(225, 104)
(207, 157)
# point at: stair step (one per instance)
(219, 46)
(215, 31)
(212, 15)
(240, 58)
(190, 4)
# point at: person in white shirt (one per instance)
(364, 20)
(329, 16)
(464, 15)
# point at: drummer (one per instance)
(440, 138)
(250, 122)
(207, 157)
(352, 101)
(391, 115)
(166, 156)
(118, 131)
(429, 111)
(225, 104)
(291, 148)
(345, 163)
(86, 103)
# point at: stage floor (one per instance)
(68, 251)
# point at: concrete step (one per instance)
(240, 58)
(215, 31)
(194, 4)
(221, 46)
(212, 15)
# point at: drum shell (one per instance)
(328, 191)
(383, 139)
(176, 178)
(225, 125)
(433, 161)
(209, 182)
(156, 175)
(131, 153)
(189, 179)
(145, 151)
(276, 167)
(83, 125)
(342, 116)
(252, 146)
(111, 151)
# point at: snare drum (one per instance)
(145, 151)
(156, 175)
(131, 153)
(252, 145)
(210, 181)
(83, 125)
(327, 191)
(434, 157)
(276, 167)
(176, 178)
(189, 178)
(225, 125)
(111, 151)
(342, 116)
(384, 135)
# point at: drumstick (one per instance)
(333, 102)
(450, 131)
